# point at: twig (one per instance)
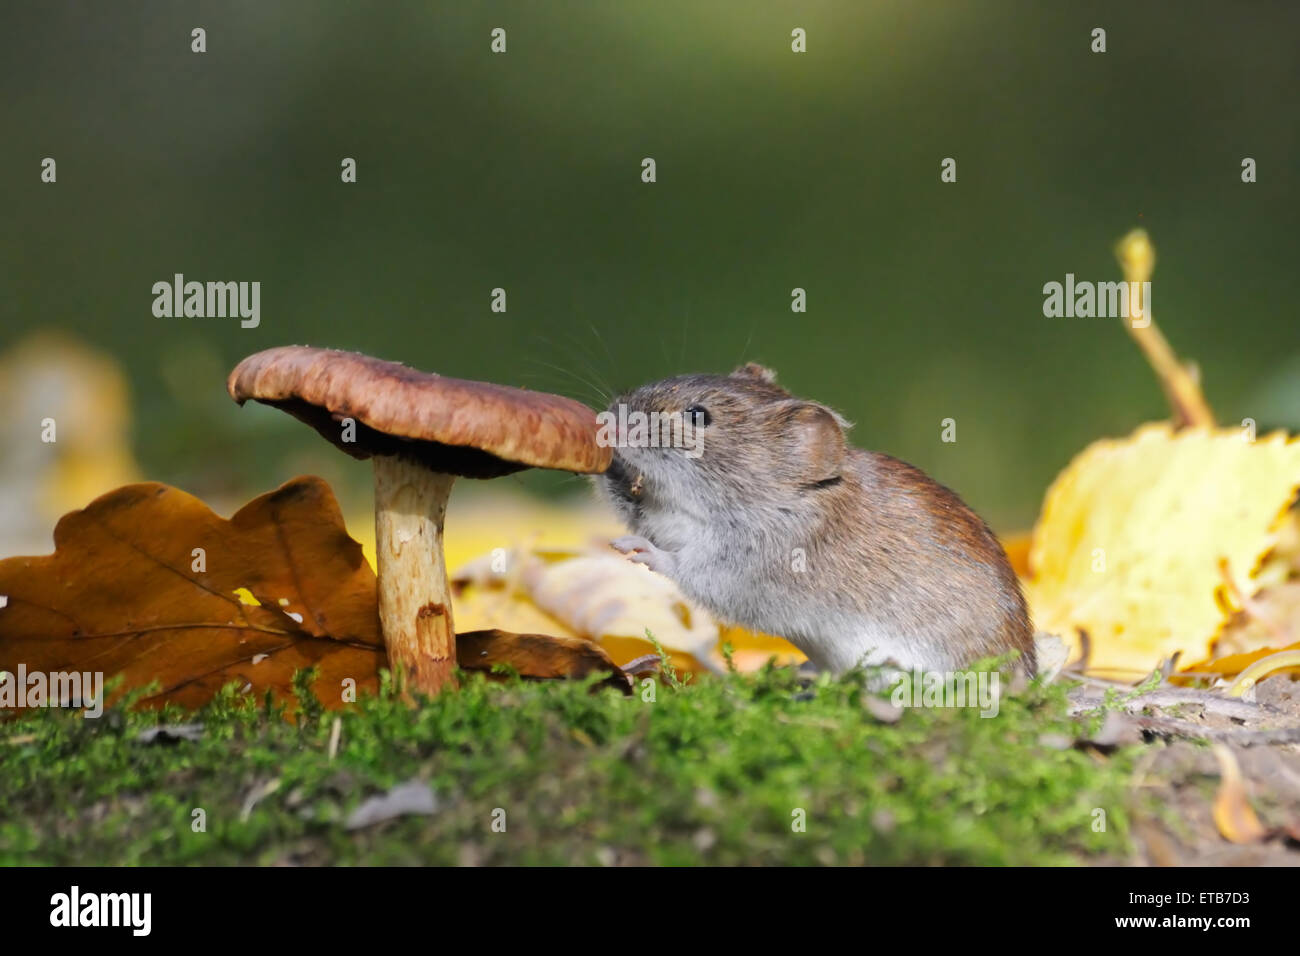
(1172, 727)
(1211, 702)
(1137, 257)
(335, 730)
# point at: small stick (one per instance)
(335, 732)
(1170, 727)
(1214, 703)
(1137, 257)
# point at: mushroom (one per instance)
(422, 430)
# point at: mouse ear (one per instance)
(819, 446)
(755, 371)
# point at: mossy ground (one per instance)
(711, 772)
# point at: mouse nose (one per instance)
(617, 471)
(620, 478)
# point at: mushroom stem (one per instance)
(414, 599)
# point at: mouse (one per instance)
(754, 503)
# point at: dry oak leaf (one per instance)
(149, 583)
(1131, 536)
(146, 582)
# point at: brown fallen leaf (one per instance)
(538, 656)
(149, 583)
(147, 580)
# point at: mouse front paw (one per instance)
(641, 551)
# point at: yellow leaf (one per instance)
(599, 595)
(751, 650)
(1132, 533)
(1017, 548)
(1232, 812)
(602, 595)
(67, 410)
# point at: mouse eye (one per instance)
(699, 416)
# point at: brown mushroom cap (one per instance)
(474, 429)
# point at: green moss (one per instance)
(717, 770)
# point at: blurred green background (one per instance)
(775, 170)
